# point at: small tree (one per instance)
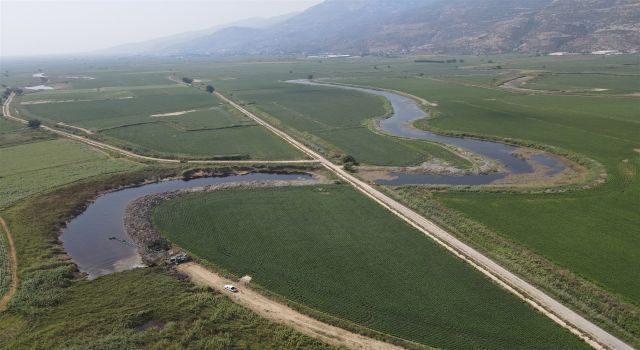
(349, 163)
(187, 80)
(210, 89)
(33, 123)
(310, 77)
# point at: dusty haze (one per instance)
(64, 27)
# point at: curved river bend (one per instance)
(98, 243)
(406, 111)
(97, 240)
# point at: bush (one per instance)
(34, 123)
(348, 159)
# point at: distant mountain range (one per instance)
(362, 27)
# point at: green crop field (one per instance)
(133, 106)
(8, 127)
(140, 119)
(340, 117)
(42, 166)
(252, 141)
(603, 83)
(564, 227)
(12, 133)
(335, 250)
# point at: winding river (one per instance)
(406, 111)
(98, 243)
(97, 240)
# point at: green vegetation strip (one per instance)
(334, 250)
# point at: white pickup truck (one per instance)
(231, 288)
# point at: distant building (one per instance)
(606, 52)
(328, 55)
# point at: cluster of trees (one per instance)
(210, 89)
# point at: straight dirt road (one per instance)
(585, 329)
(281, 313)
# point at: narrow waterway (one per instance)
(97, 240)
(406, 111)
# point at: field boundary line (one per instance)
(592, 334)
(13, 262)
(97, 144)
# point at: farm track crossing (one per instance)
(103, 146)
(14, 267)
(589, 332)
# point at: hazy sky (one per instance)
(58, 27)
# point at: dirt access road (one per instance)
(588, 331)
(280, 313)
(6, 110)
(13, 261)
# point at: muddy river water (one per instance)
(406, 111)
(97, 240)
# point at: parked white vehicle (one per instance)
(231, 288)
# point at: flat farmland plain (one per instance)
(564, 227)
(38, 167)
(334, 250)
(341, 118)
(603, 83)
(164, 121)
